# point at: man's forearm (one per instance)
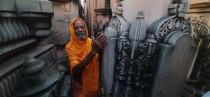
(77, 70)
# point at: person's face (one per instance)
(79, 28)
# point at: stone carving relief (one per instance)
(173, 22)
(178, 8)
(13, 29)
(166, 25)
(200, 29)
(115, 22)
(117, 9)
(132, 76)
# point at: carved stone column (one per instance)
(177, 51)
(116, 26)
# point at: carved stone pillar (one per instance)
(133, 73)
(177, 51)
(116, 26)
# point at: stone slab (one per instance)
(175, 63)
(15, 62)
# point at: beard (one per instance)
(80, 35)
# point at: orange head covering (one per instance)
(77, 50)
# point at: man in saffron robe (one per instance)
(84, 59)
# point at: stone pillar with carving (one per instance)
(177, 50)
(116, 26)
(133, 64)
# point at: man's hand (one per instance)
(97, 45)
(99, 42)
